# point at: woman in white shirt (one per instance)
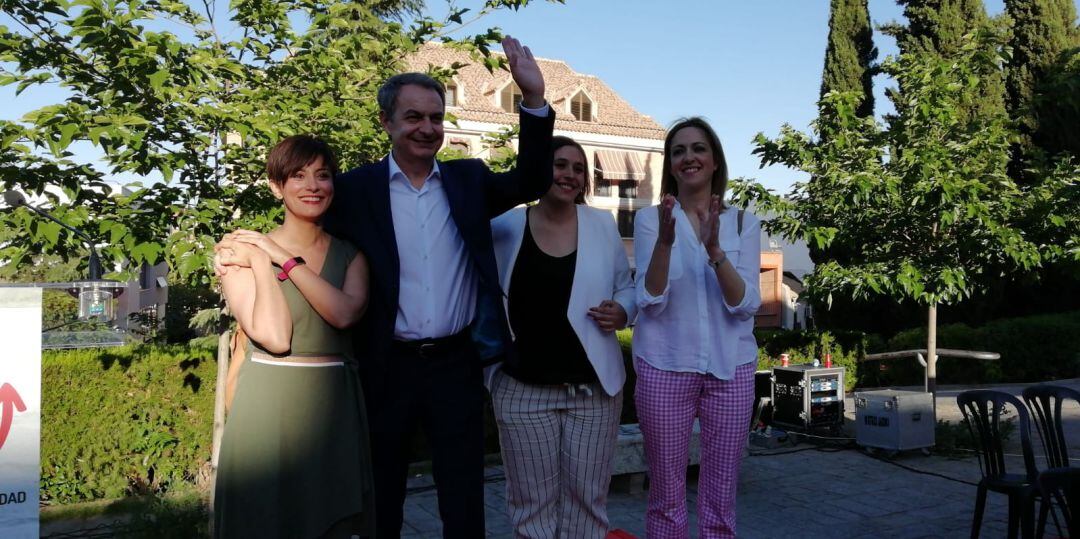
(558, 400)
(694, 349)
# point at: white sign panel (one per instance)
(20, 411)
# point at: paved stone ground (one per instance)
(805, 494)
(816, 492)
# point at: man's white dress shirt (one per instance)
(437, 283)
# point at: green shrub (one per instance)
(125, 421)
(629, 412)
(185, 302)
(1033, 349)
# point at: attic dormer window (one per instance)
(451, 94)
(511, 98)
(581, 107)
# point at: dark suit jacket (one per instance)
(360, 213)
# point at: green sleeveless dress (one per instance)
(295, 458)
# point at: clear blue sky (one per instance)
(748, 66)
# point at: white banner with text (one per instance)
(20, 411)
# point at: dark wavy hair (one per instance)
(560, 141)
(296, 152)
(668, 186)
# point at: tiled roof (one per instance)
(613, 115)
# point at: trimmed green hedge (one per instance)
(125, 421)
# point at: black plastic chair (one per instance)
(983, 411)
(1061, 487)
(1045, 401)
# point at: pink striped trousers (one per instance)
(667, 403)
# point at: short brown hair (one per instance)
(296, 152)
(559, 141)
(668, 186)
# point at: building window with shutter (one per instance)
(458, 148)
(511, 98)
(581, 107)
(602, 187)
(451, 94)
(618, 174)
(460, 145)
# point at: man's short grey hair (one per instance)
(388, 92)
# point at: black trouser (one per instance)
(442, 388)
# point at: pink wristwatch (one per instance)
(288, 266)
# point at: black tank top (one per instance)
(548, 350)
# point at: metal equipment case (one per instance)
(806, 397)
(894, 420)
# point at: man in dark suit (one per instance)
(435, 315)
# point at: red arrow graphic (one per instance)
(9, 398)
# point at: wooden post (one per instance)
(224, 354)
(931, 350)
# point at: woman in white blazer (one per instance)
(568, 288)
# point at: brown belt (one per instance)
(264, 356)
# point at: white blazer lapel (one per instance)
(507, 232)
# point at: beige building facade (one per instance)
(624, 148)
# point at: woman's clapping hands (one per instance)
(709, 228)
(666, 234)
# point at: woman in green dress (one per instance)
(294, 459)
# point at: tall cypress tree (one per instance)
(848, 68)
(938, 26)
(850, 53)
(1042, 31)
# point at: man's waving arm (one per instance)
(531, 176)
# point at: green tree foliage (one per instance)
(1056, 103)
(923, 202)
(938, 27)
(850, 53)
(159, 91)
(1043, 34)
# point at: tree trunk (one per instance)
(931, 349)
(224, 354)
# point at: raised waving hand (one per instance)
(526, 72)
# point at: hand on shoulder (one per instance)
(277, 254)
(236, 254)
